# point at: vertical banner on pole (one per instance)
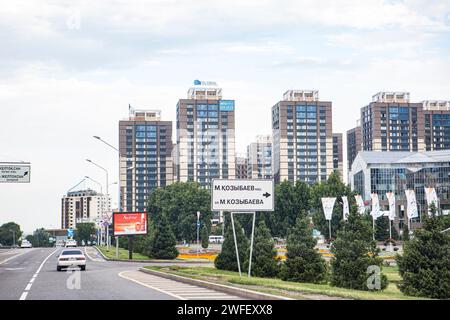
(346, 209)
(328, 206)
(360, 203)
(391, 199)
(411, 209)
(376, 212)
(432, 197)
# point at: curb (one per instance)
(244, 293)
(154, 261)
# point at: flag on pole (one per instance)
(328, 205)
(391, 198)
(411, 210)
(376, 212)
(431, 196)
(360, 203)
(346, 210)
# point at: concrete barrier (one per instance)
(244, 293)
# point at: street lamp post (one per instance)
(119, 201)
(107, 197)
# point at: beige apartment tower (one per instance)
(302, 137)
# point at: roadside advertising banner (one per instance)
(129, 223)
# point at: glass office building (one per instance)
(302, 137)
(382, 172)
(205, 135)
(145, 144)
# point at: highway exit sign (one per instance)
(242, 195)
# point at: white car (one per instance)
(71, 243)
(26, 244)
(71, 258)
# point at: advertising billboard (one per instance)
(129, 223)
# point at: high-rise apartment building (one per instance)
(205, 135)
(392, 123)
(241, 167)
(259, 156)
(302, 137)
(437, 125)
(338, 156)
(145, 144)
(354, 144)
(83, 206)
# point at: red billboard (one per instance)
(129, 223)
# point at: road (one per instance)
(30, 274)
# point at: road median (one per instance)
(244, 293)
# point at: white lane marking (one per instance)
(148, 286)
(15, 256)
(28, 287)
(92, 259)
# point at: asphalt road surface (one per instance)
(30, 274)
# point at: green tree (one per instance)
(333, 187)
(180, 202)
(425, 264)
(226, 260)
(85, 232)
(205, 237)
(303, 263)
(40, 238)
(164, 243)
(354, 252)
(6, 234)
(405, 231)
(382, 229)
(290, 200)
(264, 256)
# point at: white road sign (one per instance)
(242, 195)
(15, 172)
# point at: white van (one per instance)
(216, 239)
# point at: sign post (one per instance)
(198, 233)
(242, 196)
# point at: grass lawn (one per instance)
(123, 253)
(289, 289)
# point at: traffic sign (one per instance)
(242, 195)
(15, 172)
(70, 232)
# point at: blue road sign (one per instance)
(70, 232)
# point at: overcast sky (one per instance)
(68, 71)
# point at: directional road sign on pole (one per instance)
(15, 172)
(242, 195)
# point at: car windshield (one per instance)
(71, 253)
